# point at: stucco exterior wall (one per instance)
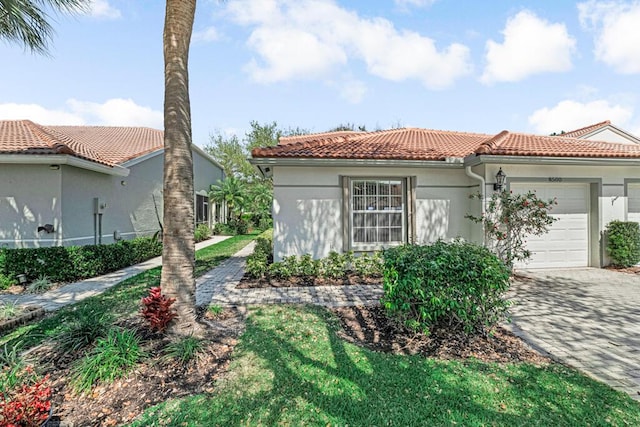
(308, 214)
(33, 195)
(29, 197)
(129, 202)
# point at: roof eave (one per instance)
(261, 162)
(474, 160)
(63, 159)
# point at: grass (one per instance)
(290, 368)
(120, 301)
(9, 310)
(40, 285)
(183, 350)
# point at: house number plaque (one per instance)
(555, 179)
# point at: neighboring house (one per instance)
(362, 191)
(77, 185)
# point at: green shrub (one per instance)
(262, 256)
(202, 232)
(221, 229)
(368, 264)
(113, 357)
(71, 263)
(307, 266)
(84, 327)
(456, 285)
(5, 282)
(335, 265)
(257, 265)
(623, 243)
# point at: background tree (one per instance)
(241, 177)
(26, 22)
(178, 253)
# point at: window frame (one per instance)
(408, 207)
(201, 208)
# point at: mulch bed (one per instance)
(157, 380)
(248, 282)
(369, 327)
(152, 382)
(631, 270)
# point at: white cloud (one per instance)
(117, 112)
(209, 34)
(38, 114)
(102, 9)
(616, 28)
(568, 115)
(531, 46)
(414, 3)
(353, 91)
(305, 39)
(113, 112)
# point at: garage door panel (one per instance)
(567, 242)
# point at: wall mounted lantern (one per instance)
(501, 178)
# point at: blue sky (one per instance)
(481, 66)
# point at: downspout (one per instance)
(483, 193)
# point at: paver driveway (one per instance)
(587, 318)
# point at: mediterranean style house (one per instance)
(78, 185)
(361, 191)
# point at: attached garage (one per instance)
(567, 242)
(633, 202)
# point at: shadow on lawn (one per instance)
(312, 383)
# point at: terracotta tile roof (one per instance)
(297, 138)
(106, 145)
(519, 144)
(426, 144)
(395, 144)
(577, 133)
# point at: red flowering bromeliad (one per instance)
(27, 404)
(509, 219)
(157, 310)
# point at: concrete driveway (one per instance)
(587, 318)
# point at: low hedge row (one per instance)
(70, 263)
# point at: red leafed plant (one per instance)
(28, 405)
(157, 310)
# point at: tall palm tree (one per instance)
(231, 191)
(178, 253)
(26, 22)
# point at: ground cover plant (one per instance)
(292, 368)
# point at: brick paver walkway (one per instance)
(219, 287)
(586, 318)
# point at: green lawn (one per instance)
(122, 300)
(291, 369)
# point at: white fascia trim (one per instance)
(142, 158)
(614, 129)
(564, 161)
(450, 162)
(161, 151)
(63, 159)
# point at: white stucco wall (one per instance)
(307, 207)
(29, 197)
(129, 203)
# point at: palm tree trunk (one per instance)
(178, 253)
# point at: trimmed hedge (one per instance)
(624, 243)
(70, 263)
(454, 285)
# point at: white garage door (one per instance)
(633, 203)
(567, 242)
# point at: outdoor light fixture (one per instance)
(501, 178)
(54, 167)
